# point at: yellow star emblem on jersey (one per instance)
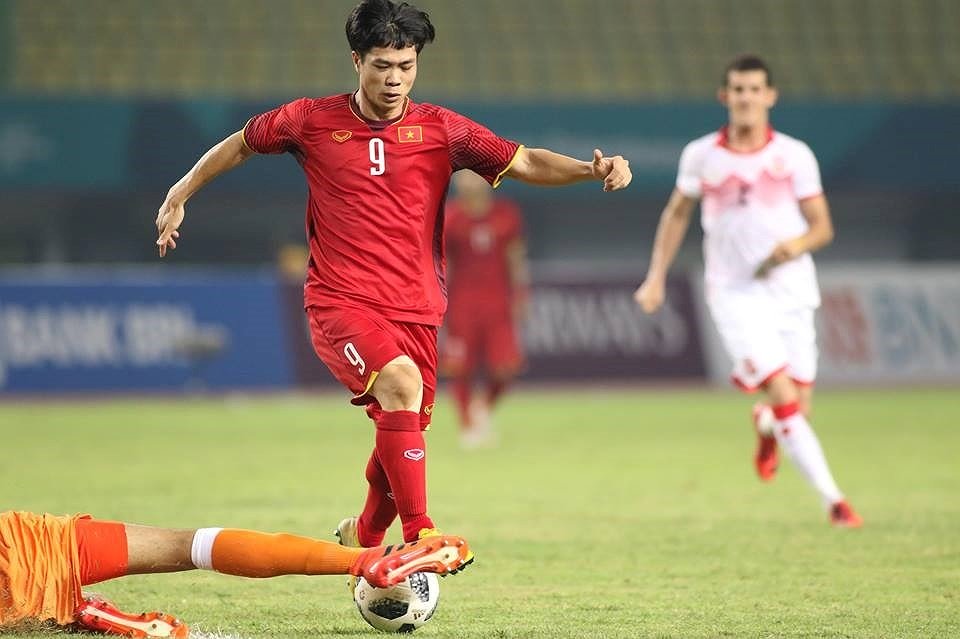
(410, 134)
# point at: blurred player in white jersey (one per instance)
(763, 213)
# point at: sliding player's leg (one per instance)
(108, 549)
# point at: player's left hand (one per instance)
(614, 171)
(168, 221)
(651, 294)
(782, 252)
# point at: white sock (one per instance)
(201, 552)
(797, 438)
(764, 418)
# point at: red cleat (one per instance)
(765, 459)
(843, 516)
(99, 615)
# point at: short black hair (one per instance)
(383, 23)
(747, 62)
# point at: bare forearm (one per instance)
(669, 236)
(670, 232)
(816, 211)
(816, 238)
(227, 154)
(546, 168)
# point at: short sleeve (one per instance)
(277, 131)
(688, 174)
(473, 146)
(806, 174)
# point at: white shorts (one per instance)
(762, 338)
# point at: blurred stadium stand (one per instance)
(488, 49)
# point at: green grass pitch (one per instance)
(603, 513)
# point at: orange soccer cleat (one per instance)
(765, 459)
(99, 615)
(435, 532)
(842, 515)
(385, 566)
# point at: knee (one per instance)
(781, 390)
(399, 385)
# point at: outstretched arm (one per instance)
(670, 232)
(227, 154)
(546, 168)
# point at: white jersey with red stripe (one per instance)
(750, 203)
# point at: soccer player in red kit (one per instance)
(488, 286)
(377, 166)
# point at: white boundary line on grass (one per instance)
(196, 633)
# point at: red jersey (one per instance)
(477, 251)
(376, 197)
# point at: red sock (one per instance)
(494, 390)
(461, 393)
(380, 510)
(784, 411)
(402, 454)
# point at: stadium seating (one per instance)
(529, 49)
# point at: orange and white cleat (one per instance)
(842, 515)
(386, 566)
(766, 459)
(435, 532)
(99, 615)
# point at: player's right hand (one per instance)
(614, 171)
(169, 219)
(650, 295)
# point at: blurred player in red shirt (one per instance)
(377, 166)
(487, 285)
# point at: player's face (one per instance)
(748, 98)
(386, 78)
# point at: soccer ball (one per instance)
(400, 608)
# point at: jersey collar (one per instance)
(377, 125)
(723, 140)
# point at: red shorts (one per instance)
(356, 343)
(472, 341)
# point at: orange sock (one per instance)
(248, 553)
